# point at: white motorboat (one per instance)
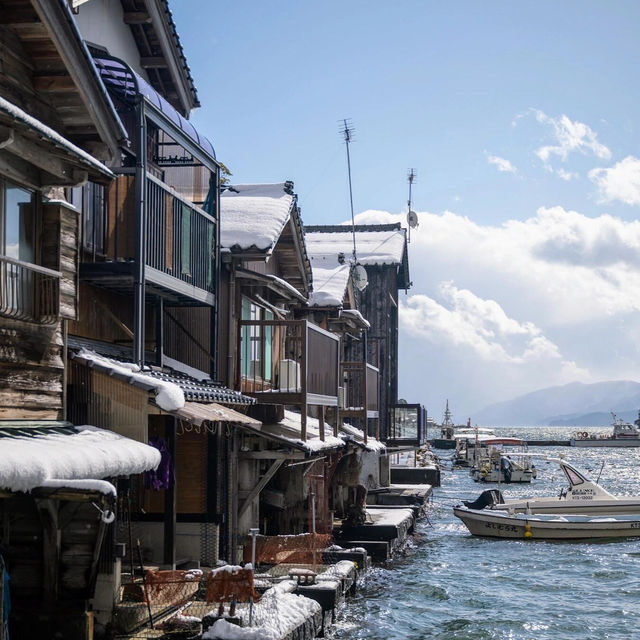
(583, 496)
(501, 524)
(624, 434)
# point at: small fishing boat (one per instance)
(501, 524)
(448, 431)
(472, 445)
(624, 434)
(504, 464)
(583, 496)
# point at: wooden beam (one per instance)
(64, 172)
(153, 62)
(271, 471)
(137, 17)
(272, 455)
(54, 83)
(170, 498)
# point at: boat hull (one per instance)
(495, 476)
(605, 442)
(443, 443)
(601, 508)
(558, 527)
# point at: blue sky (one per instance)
(521, 121)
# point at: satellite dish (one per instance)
(360, 278)
(412, 219)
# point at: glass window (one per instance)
(256, 343)
(19, 237)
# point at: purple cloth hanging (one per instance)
(162, 477)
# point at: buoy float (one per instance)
(527, 531)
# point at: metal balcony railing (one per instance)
(180, 236)
(361, 382)
(286, 360)
(29, 292)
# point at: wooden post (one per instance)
(160, 332)
(48, 512)
(170, 498)
(304, 333)
(321, 421)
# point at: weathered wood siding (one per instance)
(97, 399)
(379, 305)
(60, 230)
(49, 546)
(31, 354)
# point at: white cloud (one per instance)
(568, 136)
(566, 175)
(620, 182)
(521, 306)
(501, 163)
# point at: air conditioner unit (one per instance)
(289, 375)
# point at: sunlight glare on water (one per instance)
(451, 585)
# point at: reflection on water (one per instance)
(452, 585)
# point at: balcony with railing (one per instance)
(291, 362)
(361, 390)
(179, 243)
(29, 292)
(407, 425)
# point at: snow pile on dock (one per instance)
(275, 616)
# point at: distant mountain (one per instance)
(570, 404)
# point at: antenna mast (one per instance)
(411, 178)
(347, 132)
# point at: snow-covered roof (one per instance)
(356, 316)
(42, 131)
(68, 456)
(288, 430)
(254, 215)
(168, 396)
(329, 282)
(171, 388)
(373, 247)
(373, 444)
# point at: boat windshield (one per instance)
(573, 476)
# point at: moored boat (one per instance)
(448, 431)
(583, 496)
(624, 434)
(501, 524)
(504, 464)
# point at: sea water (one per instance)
(449, 584)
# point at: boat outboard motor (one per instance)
(505, 466)
(485, 499)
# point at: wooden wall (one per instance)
(98, 399)
(379, 305)
(49, 547)
(32, 354)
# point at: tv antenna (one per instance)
(412, 216)
(347, 133)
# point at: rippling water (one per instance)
(452, 585)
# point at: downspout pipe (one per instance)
(141, 236)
